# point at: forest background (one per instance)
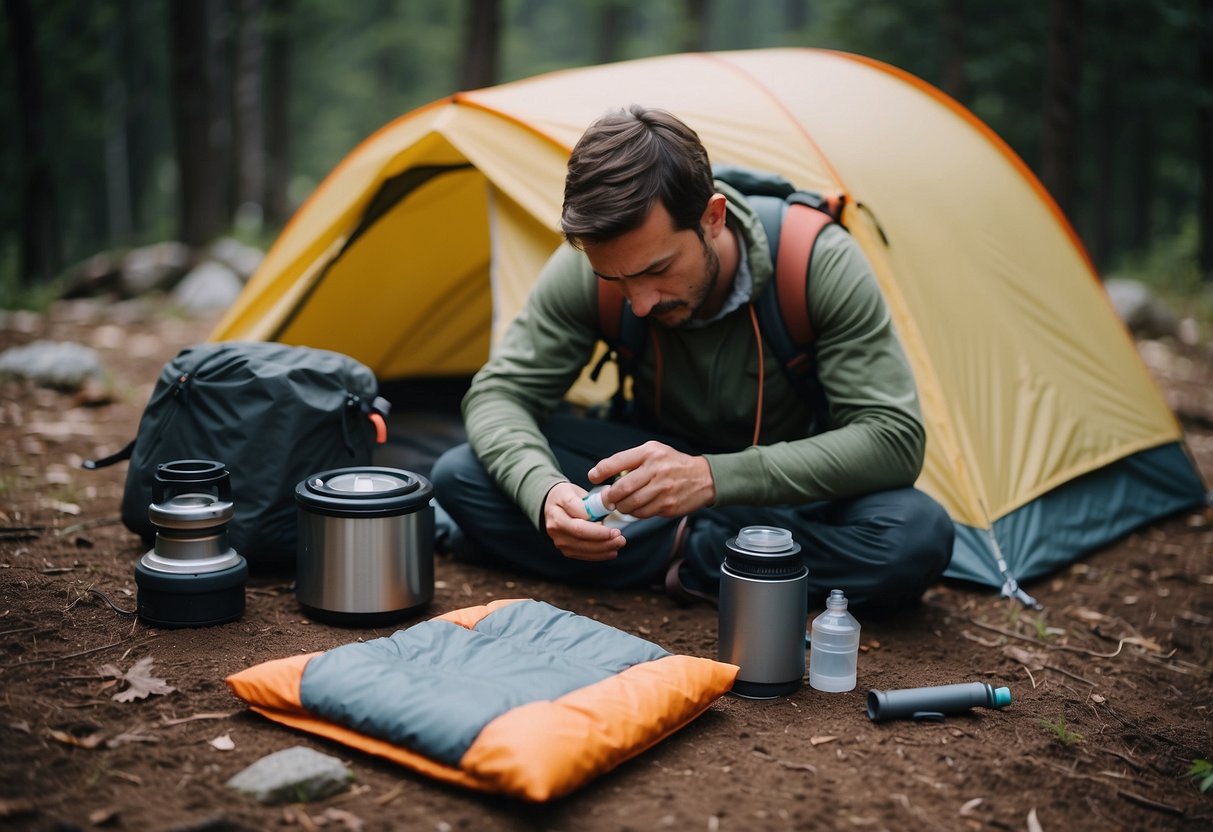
(128, 122)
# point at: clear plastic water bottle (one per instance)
(834, 651)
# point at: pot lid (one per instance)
(359, 484)
(364, 490)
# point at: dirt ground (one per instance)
(1111, 680)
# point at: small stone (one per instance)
(63, 365)
(296, 774)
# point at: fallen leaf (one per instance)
(347, 819)
(223, 743)
(969, 806)
(1030, 660)
(139, 679)
(91, 741)
(12, 807)
(1092, 616)
(1098, 699)
(1033, 823)
(984, 642)
(185, 719)
(101, 817)
(128, 737)
(821, 740)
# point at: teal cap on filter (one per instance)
(1002, 697)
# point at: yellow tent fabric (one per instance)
(421, 245)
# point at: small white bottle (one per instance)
(834, 649)
(599, 511)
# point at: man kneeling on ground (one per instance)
(719, 438)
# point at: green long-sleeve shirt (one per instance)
(874, 438)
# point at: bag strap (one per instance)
(782, 306)
(112, 459)
(625, 336)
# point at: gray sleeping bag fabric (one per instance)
(433, 687)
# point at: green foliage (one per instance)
(1169, 267)
(1202, 772)
(354, 67)
(1059, 729)
(14, 295)
(1040, 626)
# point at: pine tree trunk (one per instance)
(200, 126)
(697, 26)
(955, 80)
(1204, 138)
(611, 19)
(796, 14)
(481, 39)
(39, 254)
(246, 89)
(1059, 137)
(277, 125)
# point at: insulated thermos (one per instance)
(763, 607)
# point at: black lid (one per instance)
(365, 491)
(181, 476)
(765, 553)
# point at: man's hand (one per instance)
(569, 526)
(659, 481)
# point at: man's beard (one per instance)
(695, 304)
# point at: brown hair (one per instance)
(622, 164)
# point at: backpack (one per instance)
(783, 313)
(273, 414)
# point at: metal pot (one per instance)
(366, 545)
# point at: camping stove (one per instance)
(191, 577)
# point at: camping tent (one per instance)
(1046, 436)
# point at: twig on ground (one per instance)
(19, 630)
(1065, 672)
(88, 524)
(109, 601)
(21, 534)
(1150, 804)
(1178, 665)
(1048, 646)
(1124, 757)
(388, 797)
(64, 657)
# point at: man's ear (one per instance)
(713, 216)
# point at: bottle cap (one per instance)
(764, 539)
(1002, 697)
(594, 506)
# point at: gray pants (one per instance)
(881, 549)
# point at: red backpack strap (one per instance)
(610, 312)
(801, 227)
